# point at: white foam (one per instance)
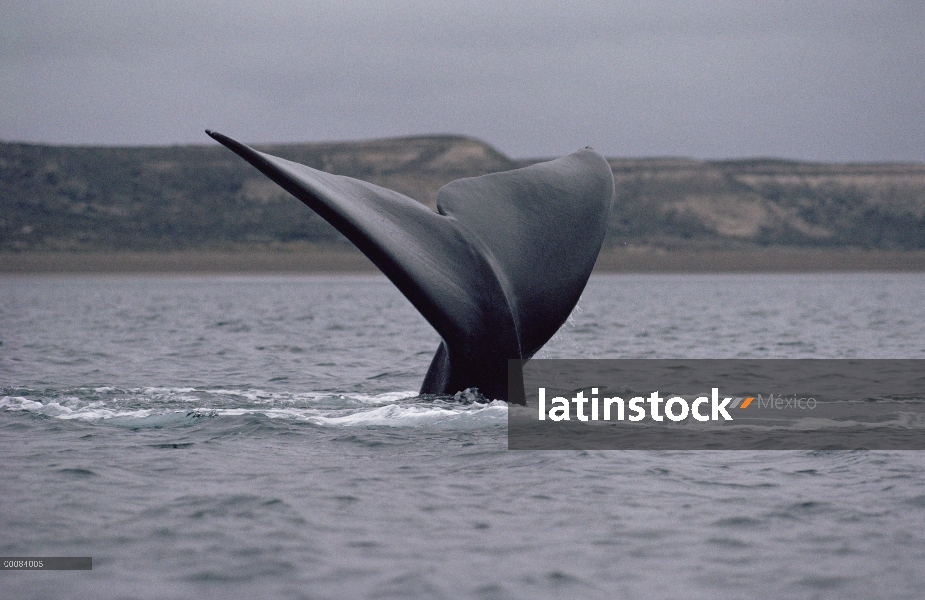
(383, 398)
(252, 395)
(154, 406)
(18, 403)
(162, 390)
(261, 396)
(61, 410)
(395, 415)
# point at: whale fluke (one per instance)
(496, 270)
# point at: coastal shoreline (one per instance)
(631, 260)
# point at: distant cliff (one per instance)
(199, 197)
(769, 202)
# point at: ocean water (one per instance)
(242, 437)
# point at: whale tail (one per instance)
(496, 270)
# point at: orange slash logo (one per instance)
(739, 403)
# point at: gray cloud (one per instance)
(825, 81)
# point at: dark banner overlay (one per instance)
(47, 563)
(734, 404)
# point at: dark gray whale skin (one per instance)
(496, 271)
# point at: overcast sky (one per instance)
(830, 81)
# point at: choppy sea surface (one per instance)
(245, 437)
